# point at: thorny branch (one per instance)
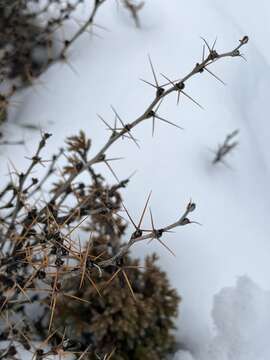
(154, 234)
(161, 93)
(37, 249)
(125, 130)
(83, 28)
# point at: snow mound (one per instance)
(242, 324)
(183, 355)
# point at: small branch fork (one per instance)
(134, 9)
(228, 145)
(23, 177)
(141, 235)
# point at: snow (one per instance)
(183, 355)
(232, 202)
(242, 322)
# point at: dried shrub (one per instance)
(137, 320)
(127, 307)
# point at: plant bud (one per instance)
(191, 207)
(244, 40)
(185, 221)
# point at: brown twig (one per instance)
(227, 146)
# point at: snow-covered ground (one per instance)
(232, 202)
(242, 320)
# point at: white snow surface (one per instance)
(242, 321)
(232, 202)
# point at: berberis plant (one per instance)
(63, 253)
